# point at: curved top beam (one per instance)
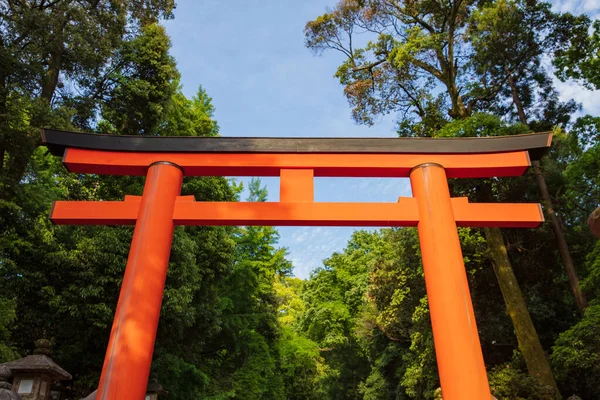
(536, 144)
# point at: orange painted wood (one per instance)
(296, 185)
(100, 212)
(95, 212)
(500, 215)
(297, 214)
(332, 165)
(131, 345)
(404, 213)
(160, 208)
(457, 347)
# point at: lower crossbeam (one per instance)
(403, 213)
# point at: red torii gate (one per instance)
(165, 160)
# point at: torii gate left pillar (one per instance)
(428, 163)
(129, 354)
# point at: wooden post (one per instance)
(131, 345)
(458, 351)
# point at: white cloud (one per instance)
(572, 90)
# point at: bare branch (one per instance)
(369, 67)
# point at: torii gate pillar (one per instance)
(458, 352)
(129, 354)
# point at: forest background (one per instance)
(234, 322)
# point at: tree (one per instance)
(299, 357)
(7, 317)
(143, 83)
(186, 117)
(244, 355)
(509, 40)
(334, 297)
(576, 355)
(65, 280)
(50, 51)
(578, 53)
(419, 45)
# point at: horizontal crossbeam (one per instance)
(535, 143)
(403, 213)
(323, 165)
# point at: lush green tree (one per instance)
(300, 360)
(244, 355)
(142, 85)
(50, 53)
(185, 117)
(334, 296)
(510, 39)
(65, 280)
(577, 55)
(474, 55)
(576, 355)
(7, 317)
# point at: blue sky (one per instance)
(250, 57)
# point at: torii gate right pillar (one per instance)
(460, 360)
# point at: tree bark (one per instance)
(50, 80)
(527, 337)
(594, 222)
(515, 95)
(563, 248)
(2, 152)
(555, 222)
(458, 110)
(15, 169)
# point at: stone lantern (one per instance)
(34, 374)
(5, 392)
(154, 389)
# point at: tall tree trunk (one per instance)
(555, 222)
(516, 308)
(31, 139)
(560, 238)
(458, 110)
(449, 70)
(527, 337)
(514, 90)
(50, 80)
(4, 137)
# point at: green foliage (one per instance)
(576, 355)
(257, 378)
(301, 365)
(186, 117)
(578, 51)
(56, 66)
(7, 317)
(508, 383)
(375, 387)
(144, 81)
(411, 49)
(189, 380)
(481, 125)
